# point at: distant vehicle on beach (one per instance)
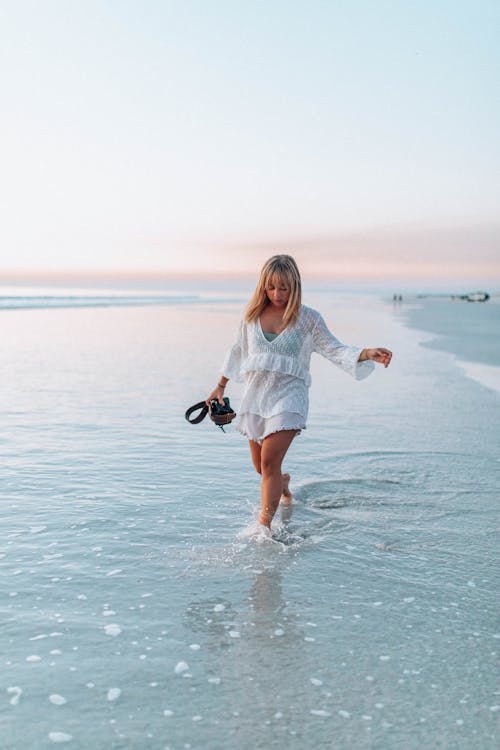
(472, 297)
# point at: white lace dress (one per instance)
(276, 373)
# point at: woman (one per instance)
(272, 354)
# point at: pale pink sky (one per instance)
(363, 139)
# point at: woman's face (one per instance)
(278, 292)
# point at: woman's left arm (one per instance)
(345, 357)
(383, 356)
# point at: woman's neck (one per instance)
(272, 319)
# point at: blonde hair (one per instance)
(284, 268)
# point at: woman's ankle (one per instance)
(265, 520)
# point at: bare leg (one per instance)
(273, 451)
(256, 453)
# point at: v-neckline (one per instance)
(263, 335)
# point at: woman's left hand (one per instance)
(383, 356)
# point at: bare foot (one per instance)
(286, 495)
(286, 512)
(264, 520)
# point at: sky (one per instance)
(206, 135)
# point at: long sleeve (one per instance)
(345, 357)
(231, 367)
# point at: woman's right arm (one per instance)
(231, 366)
(218, 391)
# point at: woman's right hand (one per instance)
(217, 393)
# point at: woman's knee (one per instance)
(270, 465)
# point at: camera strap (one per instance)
(201, 416)
(219, 419)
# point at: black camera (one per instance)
(221, 414)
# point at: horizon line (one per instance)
(463, 285)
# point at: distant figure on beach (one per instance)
(271, 355)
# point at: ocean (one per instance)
(135, 614)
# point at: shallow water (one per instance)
(469, 331)
(134, 615)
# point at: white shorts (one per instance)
(256, 428)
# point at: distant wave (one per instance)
(487, 375)
(30, 302)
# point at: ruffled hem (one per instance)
(275, 363)
(259, 440)
(257, 428)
